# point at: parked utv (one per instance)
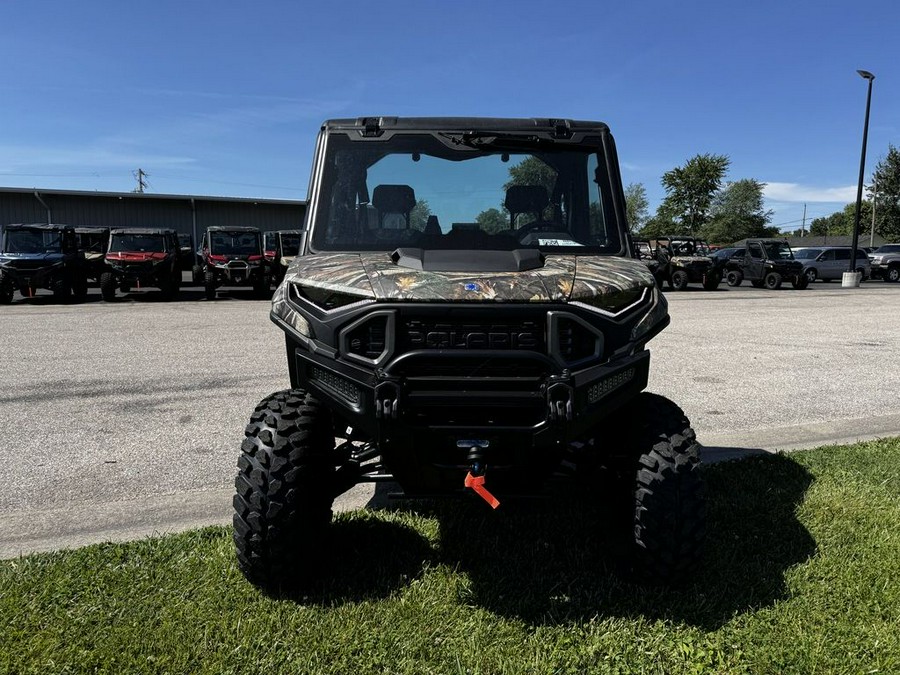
(92, 243)
(188, 256)
(766, 263)
(462, 330)
(644, 251)
(34, 256)
(287, 247)
(233, 256)
(138, 258)
(684, 260)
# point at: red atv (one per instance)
(138, 258)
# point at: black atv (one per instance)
(684, 260)
(286, 246)
(462, 341)
(34, 256)
(141, 258)
(232, 256)
(766, 263)
(92, 243)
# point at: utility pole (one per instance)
(140, 176)
(874, 202)
(803, 223)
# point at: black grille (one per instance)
(423, 366)
(367, 339)
(465, 333)
(26, 265)
(576, 342)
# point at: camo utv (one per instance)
(685, 260)
(35, 255)
(466, 317)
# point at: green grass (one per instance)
(802, 575)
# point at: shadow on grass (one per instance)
(552, 563)
(368, 558)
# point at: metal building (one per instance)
(190, 214)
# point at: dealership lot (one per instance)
(125, 418)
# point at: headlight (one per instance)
(611, 304)
(283, 310)
(657, 313)
(328, 299)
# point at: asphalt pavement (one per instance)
(120, 420)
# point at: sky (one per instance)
(226, 99)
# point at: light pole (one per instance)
(862, 167)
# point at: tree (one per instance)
(840, 223)
(532, 171)
(637, 207)
(493, 220)
(830, 226)
(690, 189)
(418, 217)
(662, 224)
(886, 179)
(736, 212)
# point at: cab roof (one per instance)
(52, 227)
(141, 230)
(507, 124)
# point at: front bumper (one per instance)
(237, 272)
(426, 409)
(24, 279)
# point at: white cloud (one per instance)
(794, 192)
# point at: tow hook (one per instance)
(475, 476)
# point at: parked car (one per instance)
(830, 262)
(720, 257)
(885, 261)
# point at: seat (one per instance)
(394, 203)
(530, 199)
(432, 227)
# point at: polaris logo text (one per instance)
(461, 339)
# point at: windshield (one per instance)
(234, 243)
(269, 241)
(32, 241)
(290, 244)
(145, 243)
(807, 253)
(778, 250)
(444, 192)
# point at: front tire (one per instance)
(892, 275)
(711, 281)
(108, 286)
(800, 282)
(679, 280)
(735, 278)
(209, 284)
(773, 281)
(811, 275)
(7, 290)
(659, 471)
(61, 290)
(285, 488)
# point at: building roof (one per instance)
(149, 195)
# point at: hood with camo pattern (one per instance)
(600, 280)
